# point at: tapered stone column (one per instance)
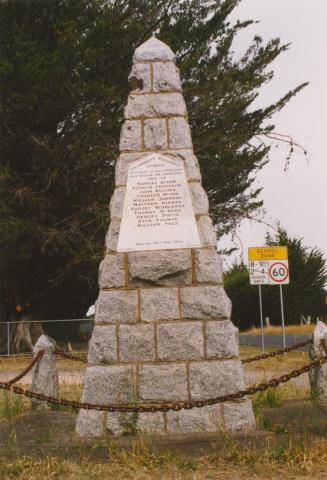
(162, 325)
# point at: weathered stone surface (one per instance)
(191, 163)
(163, 267)
(179, 133)
(117, 306)
(222, 339)
(113, 235)
(90, 423)
(238, 416)
(112, 271)
(103, 345)
(159, 304)
(205, 419)
(136, 343)
(155, 133)
(180, 341)
(207, 232)
(153, 49)
(134, 423)
(130, 137)
(117, 203)
(45, 374)
(159, 383)
(206, 302)
(208, 266)
(110, 384)
(199, 199)
(123, 163)
(166, 77)
(160, 105)
(318, 376)
(140, 78)
(211, 379)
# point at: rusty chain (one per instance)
(70, 356)
(276, 352)
(164, 407)
(29, 367)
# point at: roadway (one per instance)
(273, 340)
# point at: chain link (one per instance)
(70, 356)
(29, 367)
(276, 352)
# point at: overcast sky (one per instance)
(298, 198)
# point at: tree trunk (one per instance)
(26, 335)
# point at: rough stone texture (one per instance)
(166, 267)
(222, 339)
(111, 271)
(110, 384)
(179, 133)
(205, 302)
(205, 419)
(180, 341)
(123, 163)
(210, 379)
(159, 304)
(191, 164)
(136, 343)
(153, 49)
(117, 306)
(90, 423)
(160, 383)
(166, 77)
(238, 416)
(207, 232)
(113, 235)
(199, 199)
(130, 137)
(103, 345)
(155, 134)
(318, 376)
(208, 266)
(45, 374)
(117, 203)
(132, 423)
(160, 105)
(140, 78)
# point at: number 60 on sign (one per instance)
(268, 266)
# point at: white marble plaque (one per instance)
(158, 212)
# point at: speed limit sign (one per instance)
(268, 266)
(279, 273)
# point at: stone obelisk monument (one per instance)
(162, 325)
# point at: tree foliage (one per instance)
(63, 75)
(305, 295)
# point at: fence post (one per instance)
(318, 376)
(8, 339)
(45, 374)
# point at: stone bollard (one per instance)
(318, 376)
(45, 374)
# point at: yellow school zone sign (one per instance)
(267, 253)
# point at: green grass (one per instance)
(12, 405)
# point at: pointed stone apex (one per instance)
(153, 49)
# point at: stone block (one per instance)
(117, 203)
(136, 343)
(238, 416)
(135, 423)
(166, 77)
(155, 134)
(44, 372)
(117, 306)
(103, 345)
(205, 302)
(123, 162)
(180, 341)
(110, 384)
(162, 267)
(112, 271)
(179, 133)
(153, 49)
(160, 383)
(90, 423)
(205, 419)
(222, 339)
(191, 163)
(130, 137)
(140, 78)
(199, 199)
(215, 378)
(208, 266)
(159, 105)
(207, 232)
(112, 236)
(159, 304)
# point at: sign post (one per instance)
(269, 266)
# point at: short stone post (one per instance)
(318, 376)
(45, 374)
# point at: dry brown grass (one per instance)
(276, 330)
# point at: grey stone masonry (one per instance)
(45, 373)
(162, 321)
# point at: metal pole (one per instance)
(282, 312)
(261, 322)
(8, 339)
